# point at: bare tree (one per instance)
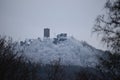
(87, 74)
(12, 66)
(35, 68)
(55, 71)
(108, 26)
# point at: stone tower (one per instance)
(46, 32)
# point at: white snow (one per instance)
(70, 51)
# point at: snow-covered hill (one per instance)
(69, 50)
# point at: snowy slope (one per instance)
(70, 51)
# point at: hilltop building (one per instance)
(46, 32)
(60, 37)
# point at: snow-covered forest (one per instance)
(64, 57)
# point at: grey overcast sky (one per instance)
(23, 19)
